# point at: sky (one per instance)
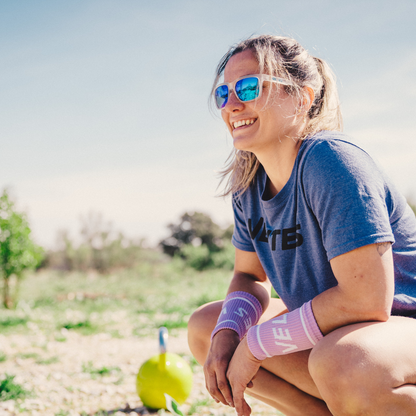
(104, 104)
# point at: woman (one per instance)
(316, 219)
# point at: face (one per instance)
(263, 124)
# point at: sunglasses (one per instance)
(247, 88)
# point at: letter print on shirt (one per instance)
(290, 237)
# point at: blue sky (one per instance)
(104, 104)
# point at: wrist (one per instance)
(240, 311)
(248, 353)
(284, 334)
(225, 333)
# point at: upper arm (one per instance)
(366, 279)
(364, 292)
(349, 197)
(249, 276)
(248, 262)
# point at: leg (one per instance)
(368, 368)
(283, 382)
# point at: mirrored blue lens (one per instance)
(221, 96)
(247, 89)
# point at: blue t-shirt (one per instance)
(336, 200)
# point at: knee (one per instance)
(196, 326)
(348, 378)
(200, 326)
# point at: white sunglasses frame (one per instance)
(260, 77)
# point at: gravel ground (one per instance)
(55, 372)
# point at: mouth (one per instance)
(243, 123)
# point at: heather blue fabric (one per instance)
(336, 200)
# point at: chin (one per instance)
(244, 144)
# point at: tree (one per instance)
(100, 247)
(199, 241)
(194, 228)
(17, 250)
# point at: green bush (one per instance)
(200, 242)
(224, 259)
(197, 257)
(18, 252)
(201, 258)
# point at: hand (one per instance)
(241, 371)
(222, 349)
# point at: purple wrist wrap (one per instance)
(291, 332)
(240, 311)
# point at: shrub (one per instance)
(200, 242)
(101, 248)
(17, 250)
(197, 257)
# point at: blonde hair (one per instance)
(286, 58)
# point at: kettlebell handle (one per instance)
(163, 340)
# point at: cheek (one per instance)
(224, 116)
(225, 119)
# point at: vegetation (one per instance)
(102, 371)
(200, 242)
(158, 291)
(108, 284)
(9, 390)
(99, 248)
(195, 239)
(17, 250)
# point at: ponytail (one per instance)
(325, 112)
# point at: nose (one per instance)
(233, 103)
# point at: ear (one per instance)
(308, 98)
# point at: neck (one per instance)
(279, 165)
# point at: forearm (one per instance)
(335, 308)
(364, 292)
(260, 289)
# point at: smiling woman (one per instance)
(310, 89)
(316, 219)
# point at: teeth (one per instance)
(243, 123)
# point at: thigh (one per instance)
(293, 368)
(366, 358)
(378, 356)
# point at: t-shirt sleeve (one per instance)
(241, 237)
(347, 194)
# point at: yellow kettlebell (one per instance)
(162, 374)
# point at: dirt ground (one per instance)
(55, 372)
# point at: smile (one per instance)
(243, 123)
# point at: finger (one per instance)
(211, 386)
(224, 386)
(241, 406)
(247, 409)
